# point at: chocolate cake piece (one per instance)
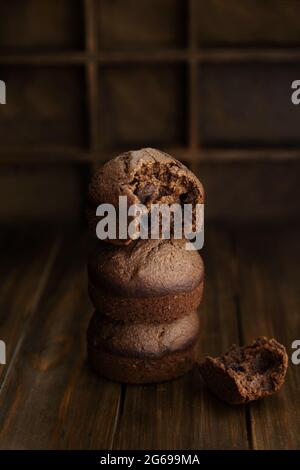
(148, 280)
(134, 352)
(248, 373)
(147, 176)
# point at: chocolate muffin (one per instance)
(248, 373)
(148, 280)
(142, 353)
(145, 176)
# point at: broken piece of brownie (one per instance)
(247, 373)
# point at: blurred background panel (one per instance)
(45, 106)
(207, 80)
(233, 23)
(248, 105)
(142, 105)
(140, 25)
(41, 25)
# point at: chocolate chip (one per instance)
(147, 193)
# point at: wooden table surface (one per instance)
(50, 399)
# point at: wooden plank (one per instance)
(26, 260)
(172, 55)
(182, 414)
(48, 58)
(42, 154)
(248, 154)
(251, 54)
(45, 155)
(92, 77)
(269, 272)
(211, 55)
(193, 99)
(51, 399)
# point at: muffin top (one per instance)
(145, 268)
(144, 176)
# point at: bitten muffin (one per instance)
(147, 176)
(148, 280)
(142, 353)
(248, 373)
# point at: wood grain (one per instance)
(269, 298)
(215, 55)
(91, 72)
(26, 260)
(51, 399)
(193, 100)
(182, 414)
(37, 25)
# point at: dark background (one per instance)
(207, 80)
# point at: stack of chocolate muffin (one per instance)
(145, 292)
